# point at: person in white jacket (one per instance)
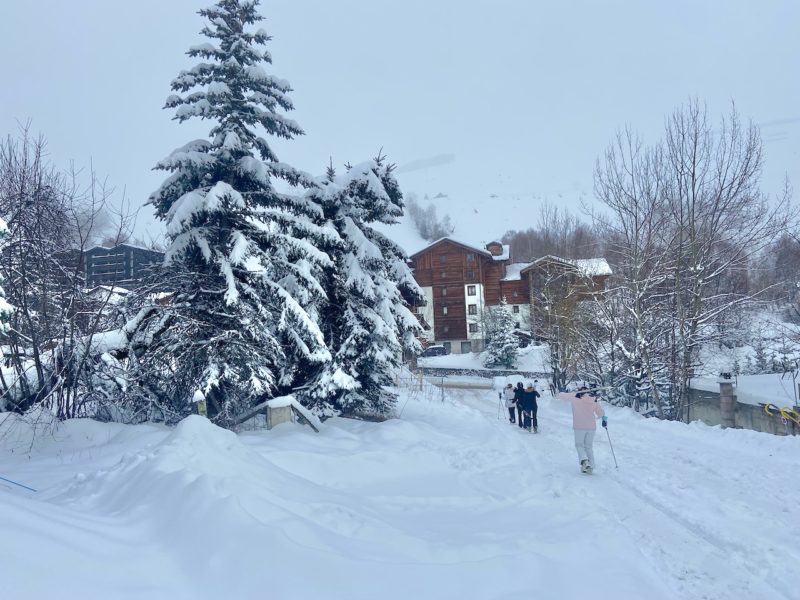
(508, 396)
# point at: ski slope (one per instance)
(448, 501)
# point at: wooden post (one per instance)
(727, 401)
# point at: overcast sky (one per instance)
(473, 99)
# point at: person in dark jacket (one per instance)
(518, 401)
(530, 407)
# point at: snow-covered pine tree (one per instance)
(503, 347)
(243, 260)
(366, 321)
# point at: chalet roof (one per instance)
(514, 271)
(123, 245)
(589, 267)
(481, 251)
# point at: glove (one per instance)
(605, 421)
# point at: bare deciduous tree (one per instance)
(721, 220)
(52, 221)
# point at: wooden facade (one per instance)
(448, 268)
(460, 281)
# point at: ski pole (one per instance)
(616, 466)
(19, 484)
(499, 401)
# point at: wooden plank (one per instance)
(302, 419)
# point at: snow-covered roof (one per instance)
(589, 267)
(114, 289)
(123, 245)
(772, 388)
(513, 271)
(593, 266)
(455, 241)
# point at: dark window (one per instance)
(470, 257)
(446, 344)
(515, 309)
(473, 328)
(442, 258)
(470, 274)
(470, 290)
(466, 347)
(472, 309)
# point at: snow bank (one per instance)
(532, 359)
(772, 388)
(446, 502)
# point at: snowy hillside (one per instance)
(448, 501)
(482, 207)
(479, 212)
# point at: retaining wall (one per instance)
(705, 407)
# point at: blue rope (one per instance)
(19, 484)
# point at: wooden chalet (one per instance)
(461, 281)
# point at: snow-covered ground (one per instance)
(533, 359)
(448, 501)
(774, 388)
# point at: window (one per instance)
(470, 290)
(444, 310)
(473, 328)
(515, 309)
(442, 259)
(444, 291)
(515, 293)
(466, 347)
(445, 329)
(443, 274)
(472, 309)
(470, 258)
(470, 274)
(446, 344)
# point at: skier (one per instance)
(585, 410)
(518, 401)
(530, 407)
(508, 396)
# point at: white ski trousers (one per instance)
(584, 439)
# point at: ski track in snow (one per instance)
(449, 501)
(646, 505)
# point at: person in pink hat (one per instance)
(585, 411)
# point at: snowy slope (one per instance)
(477, 217)
(448, 501)
(484, 198)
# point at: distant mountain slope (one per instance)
(482, 207)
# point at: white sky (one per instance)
(510, 97)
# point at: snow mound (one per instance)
(197, 455)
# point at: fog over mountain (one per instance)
(492, 107)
